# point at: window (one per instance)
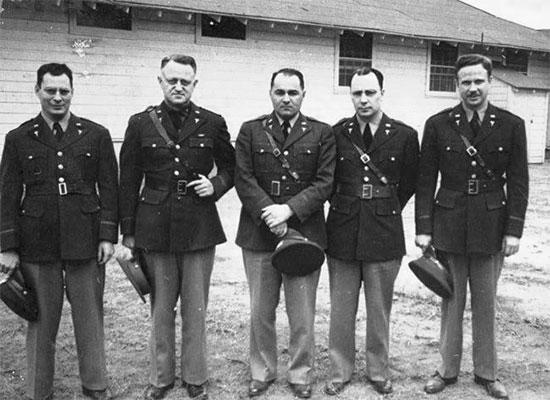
(223, 27)
(442, 67)
(516, 60)
(106, 16)
(355, 52)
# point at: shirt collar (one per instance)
(470, 113)
(291, 121)
(64, 122)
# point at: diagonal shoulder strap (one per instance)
(473, 153)
(160, 129)
(279, 155)
(365, 159)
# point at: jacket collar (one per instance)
(386, 130)
(491, 121)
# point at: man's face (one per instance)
(473, 84)
(178, 83)
(287, 96)
(366, 96)
(55, 94)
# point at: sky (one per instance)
(532, 13)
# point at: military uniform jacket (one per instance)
(58, 199)
(364, 221)
(164, 215)
(471, 212)
(261, 180)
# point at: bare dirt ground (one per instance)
(523, 328)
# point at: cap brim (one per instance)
(135, 275)
(433, 275)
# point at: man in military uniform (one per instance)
(174, 148)
(58, 223)
(277, 196)
(473, 222)
(375, 176)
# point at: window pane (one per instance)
(227, 28)
(442, 74)
(104, 16)
(355, 52)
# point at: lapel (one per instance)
(272, 126)
(300, 128)
(386, 130)
(41, 132)
(353, 131)
(195, 119)
(490, 123)
(165, 120)
(75, 131)
(459, 121)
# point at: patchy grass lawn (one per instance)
(523, 328)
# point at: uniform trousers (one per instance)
(345, 279)
(185, 276)
(482, 273)
(264, 283)
(84, 283)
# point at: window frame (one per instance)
(95, 30)
(439, 93)
(201, 37)
(339, 89)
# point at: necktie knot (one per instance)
(58, 131)
(286, 128)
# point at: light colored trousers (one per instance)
(265, 282)
(185, 276)
(84, 282)
(482, 273)
(378, 280)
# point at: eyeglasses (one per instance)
(174, 82)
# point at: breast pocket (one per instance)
(201, 154)
(305, 157)
(34, 166)
(156, 155)
(86, 158)
(390, 163)
(264, 159)
(498, 156)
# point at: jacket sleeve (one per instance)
(131, 175)
(251, 194)
(428, 169)
(517, 182)
(11, 192)
(312, 198)
(108, 189)
(224, 157)
(409, 169)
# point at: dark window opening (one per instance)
(225, 28)
(355, 52)
(442, 67)
(104, 16)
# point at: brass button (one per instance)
(61, 179)
(154, 145)
(285, 152)
(60, 166)
(176, 159)
(448, 148)
(474, 176)
(59, 153)
(366, 179)
(178, 147)
(177, 173)
(366, 168)
(474, 163)
(283, 178)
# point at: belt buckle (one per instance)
(365, 158)
(62, 188)
(275, 188)
(473, 186)
(471, 150)
(367, 191)
(181, 187)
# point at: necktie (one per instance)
(58, 131)
(286, 128)
(475, 124)
(367, 136)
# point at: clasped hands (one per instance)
(275, 217)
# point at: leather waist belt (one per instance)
(283, 188)
(365, 191)
(474, 186)
(61, 188)
(179, 186)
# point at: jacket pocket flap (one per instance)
(446, 198)
(201, 142)
(85, 151)
(495, 200)
(152, 196)
(388, 206)
(341, 204)
(89, 205)
(153, 142)
(33, 209)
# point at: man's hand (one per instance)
(510, 245)
(9, 262)
(423, 241)
(280, 230)
(203, 186)
(129, 241)
(276, 214)
(104, 251)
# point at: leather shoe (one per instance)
(95, 394)
(156, 393)
(495, 388)
(196, 391)
(437, 383)
(300, 390)
(256, 387)
(382, 387)
(335, 388)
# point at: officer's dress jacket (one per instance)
(261, 180)
(58, 199)
(466, 223)
(371, 229)
(151, 208)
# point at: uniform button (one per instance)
(474, 163)
(30, 157)
(176, 159)
(178, 147)
(394, 212)
(500, 149)
(61, 179)
(366, 179)
(285, 152)
(392, 158)
(201, 145)
(474, 176)
(366, 168)
(177, 173)
(283, 178)
(59, 153)
(448, 148)
(60, 166)
(154, 145)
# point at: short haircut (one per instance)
(180, 59)
(54, 69)
(473, 59)
(289, 72)
(368, 70)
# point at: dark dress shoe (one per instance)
(436, 383)
(382, 387)
(95, 394)
(156, 393)
(256, 387)
(495, 388)
(196, 391)
(335, 388)
(300, 390)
